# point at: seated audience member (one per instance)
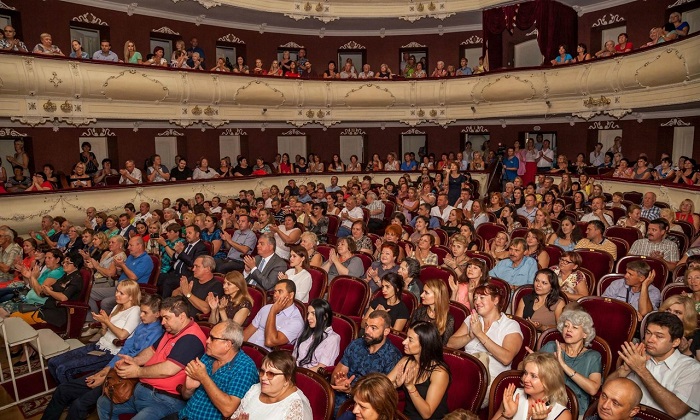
(105, 171)
(263, 270)
(370, 353)
(656, 244)
(39, 183)
(390, 301)
(649, 210)
(277, 323)
(183, 258)
(10, 43)
(543, 307)
(350, 214)
(181, 172)
(285, 233)
(435, 309)
(684, 308)
(595, 240)
(236, 302)
(623, 45)
(317, 222)
(543, 395)
(217, 382)
(425, 210)
(81, 394)
(518, 269)
(386, 263)
(46, 46)
(529, 209)
(422, 373)
(374, 397)
(18, 182)
(488, 330)
(608, 50)
(376, 212)
(680, 26)
(636, 288)
(240, 244)
(10, 252)
(318, 345)
(160, 369)
(619, 400)
(130, 174)
(581, 365)
(298, 272)
(442, 209)
(598, 213)
(634, 213)
(342, 260)
(276, 396)
(197, 287)
(670, 382)
(158, 172)
(409, 270)
(115, 326)
(572, 281)
(563, 57)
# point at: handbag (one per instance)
(28, 307)
(118, 389)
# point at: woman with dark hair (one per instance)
(579, 205)
(318, 345)
(359, 234)
(423, 373)
(581, 53)
(508, 220)
(544, 306)
(212, 234)
(686, 174)
(276, 396)
(563, 57)
(409, 270)
(386, 263)
(375, 398)
(390, 301)
(89, 159)
(332, 71)
(343, 261)
(474, 276)
(535, 241)
(298, 272)
(435, 309)
(567, 235)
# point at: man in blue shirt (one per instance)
(408, 163)
(510, 165)
(424, 210)
(211, 392)
(105, 53)
(517, 269)
(81, 394)
(370, 353)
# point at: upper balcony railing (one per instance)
(35, 90)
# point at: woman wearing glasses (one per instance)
(276, 396)
(572, 282)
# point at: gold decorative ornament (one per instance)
(592, 102)
(209, 111)
(50, 106)
(421, 113)
(319, 7)
(433, 113)
(66, 107)
(320, 114)
(431, 6)
(309, 114)
(420, 7)
(196, 110)
(307, 7)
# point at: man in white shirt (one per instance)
(597, 157)
(144, 213)
(670, 381)
(464, 202)
(349, 215)
(443, 208)
(131, 174)
(598, 213)
(545, 157)
(278, 323)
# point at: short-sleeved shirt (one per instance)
(377, 265)
(355, 213)
(619, 290)
(234, 378)
(680, 375)
(584, 364)
(141, 266)
(158, 177)
(651, 213)
(607, 246)
(645, 247)
(181, 175)
(354, 266)
(136, 173)
(497, 333)
(201, 290)
(361, 362)
(8, 256)
(241, 237)
(289, 322)
(524, 273)
(396, 312)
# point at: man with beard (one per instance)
(367, 354)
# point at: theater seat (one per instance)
(479, 255)
(76, 310)
(433, 272)
(659, 267)
(459, 312)
(489, 230)
(347, 329)
(319, 283)
(255, 352)
(505, 291)
(259, 300)
(469, 380)
(529, 338)
(318, 391)
(615, 321)
(674, 289)
(348, 296)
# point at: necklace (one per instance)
(566, 350)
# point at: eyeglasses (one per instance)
(268, 374)
(218, 338)
(566, 261)
(67, 261)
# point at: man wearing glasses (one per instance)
(216, 384)
(159, 368)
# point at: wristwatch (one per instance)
(188, 296)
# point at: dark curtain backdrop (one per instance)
(556, 24)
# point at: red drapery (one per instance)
(556, 24)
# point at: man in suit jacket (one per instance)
(183, 257)
(266, 266)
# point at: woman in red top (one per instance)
(686, 213)
(285, 166)
(623, 46)
(293, 73)
(39, 183)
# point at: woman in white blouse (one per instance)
(203, 171)
(318, 345)
(286, 234)
(299, 274)
(276, 396)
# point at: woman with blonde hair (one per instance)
(634, 213)
(132, 56)
(686, 212)
(435, 309)
(498, 248)
(116, 326)
(458, 259)
(543, 395)
(670, 217)
(684, 308)
(542, 222)
(236, 302)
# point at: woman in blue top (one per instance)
(38, 276)
(563, 57)
(78, 51)
(211, 233)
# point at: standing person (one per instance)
(530, 155)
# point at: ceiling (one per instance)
(360, 16)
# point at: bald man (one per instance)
(619, 400)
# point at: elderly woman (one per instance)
(571, 281)
(387, 263)
(581, 365)
(276, 396)
(359, 234)
(343, 261)
(543, 395)
(692, 280)
(309, 241)
(46, 46)
(409, 270)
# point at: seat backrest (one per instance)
(520, 232)
(441, 251)
(397, 338)
(529, 338)
(590, 280)
(617, 212)
(554, 253)
(365, 258)
(598, 344)
(429, 272)
(318, 391)
(681, 240)
(410, 300)
(505, 290)
(519, 294)
(255, 352)
(319, 283)
(599, 263)
(209, 247)
(615, 321)
(659, 267)
(469, 381)
(259, 300)
(633, 196)
(347, 329)
(688, 228)
(626, 233)
(324, 250)
(389, 207)
(459, 313)
(489, 230)
(673, 289)
(348, 295)
(622, 246)
(86, 276)
(153, 278)
(206, 327)
(487, 258)
(679, 271)
(444, 237)
(606, 281)
(333, 224)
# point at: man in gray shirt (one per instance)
(241, 243)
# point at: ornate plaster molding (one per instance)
(413, 44)
(5, 6)
(475, 129)
(675, 122)
(293, 132)
(89, 18)
(352, 45)
(291, 44)
(104, 132)
(10, 132)
(609, 125)
(231, 38)
(473, 40)
(234, 132)
(604, 21)
(170, 133)
(413, 131)
(165, 30)
(353, 132)
(679, 3)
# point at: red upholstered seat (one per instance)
(618, 213)
(501, 382)
(408, 228)
(605, 282)
(554, 253)
(633, 196)
(645, 412)
(519, 294)
(688, 228)
(209, 247)
(347, 329)
(529, 338)
(679, 271)
(674, 289)
(505, 290)
(348, 296)
(556, 224)
(656, 264)
(590, 280)
(627, 234)
(489, 230)
(366, 259)
(599, 263)
(350, 404)
(430, 272)
(255, 352)
(441, 251)
(333, 225)
(325, 250)
(459, 312)
(598, 344)
(259, 300)
(622, 246)
(444, 237)
(469, 380)
(76, 310)
(206, 327)
(487, 258)
(319, 283)
(681, 240)
(520, 232)
(615, 321)
(396, 338)
(318, 391)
